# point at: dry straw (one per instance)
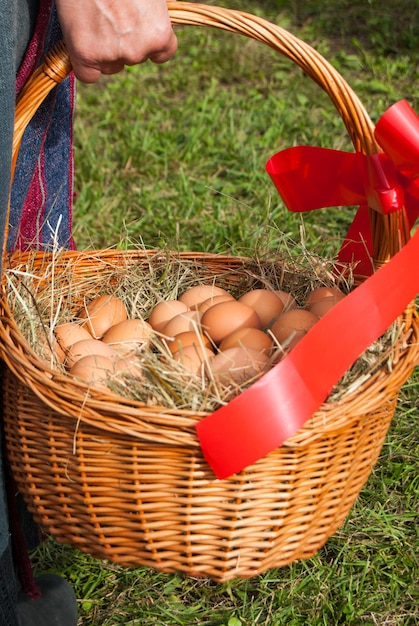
(124, 478)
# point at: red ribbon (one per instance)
(275, 407)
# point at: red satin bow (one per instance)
(275, 407)
(310, 178)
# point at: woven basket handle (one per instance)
(389, 232)
(57, 65)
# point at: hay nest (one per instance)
(41, 300)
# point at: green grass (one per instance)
(176, 155)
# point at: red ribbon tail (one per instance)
(267, 413)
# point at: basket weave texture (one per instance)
(128, 482)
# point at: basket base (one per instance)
(141, 504)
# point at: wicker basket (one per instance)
(128, 482)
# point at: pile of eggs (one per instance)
(100, 343)
(206, 329)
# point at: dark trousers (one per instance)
(16, 27)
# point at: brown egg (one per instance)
(87, 347)
(321, 307)
(288, 300)
(250, 338)
(207, 304)
(93, 369)
(128, 335)
(188, 338)
(190, 320)
(225, 317)
(319, 293)
(237, 365)
(267, 304)
(164, 311)
(69, 333)
(102, 313)
(193, 296)
(291, 326)
(193, 357)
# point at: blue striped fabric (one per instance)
(42, 189)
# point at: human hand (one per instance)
(102, 36)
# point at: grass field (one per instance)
(175, 155)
